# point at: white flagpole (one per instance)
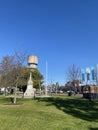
(46, 79)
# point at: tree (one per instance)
(11, 70)
(69, 86)
(6, 65)
(74, 76)
(37, 79)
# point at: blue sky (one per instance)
(61, 32)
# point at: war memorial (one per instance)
(32, 62)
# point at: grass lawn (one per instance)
(55, 113)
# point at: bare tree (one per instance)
(16, 73)
(74, 75)
(11, 70)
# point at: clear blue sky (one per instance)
(63, 32)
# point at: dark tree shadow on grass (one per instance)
(93, 128)
(77, 107)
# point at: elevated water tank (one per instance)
(32, 61)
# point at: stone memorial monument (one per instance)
(32, 62)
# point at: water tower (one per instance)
(32, 62)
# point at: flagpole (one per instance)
(46, 79)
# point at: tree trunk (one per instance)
(74, 89)
(5, 91)
(15, 94)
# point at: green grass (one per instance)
(55, 113)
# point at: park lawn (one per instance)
(54, 113)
